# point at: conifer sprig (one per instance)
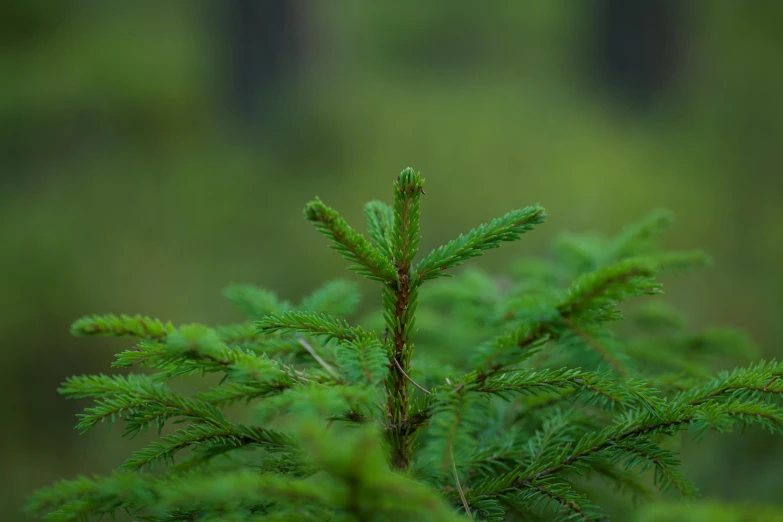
(405, 240)
(198, 437)
(137, 326)
(632, 435)
(592, 298)
(400, 299)
(138, 400)
(312, 324)
(597, 389)
(352, 245)
(363, 362)
(380, 223)
(474, 243)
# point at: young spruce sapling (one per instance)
(517, 399)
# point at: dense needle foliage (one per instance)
(523, 397)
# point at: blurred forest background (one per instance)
(153, 152)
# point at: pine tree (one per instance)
(501, 399)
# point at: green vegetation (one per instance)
(525, 397)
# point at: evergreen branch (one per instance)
(144, 354)
(512, 347)
(136, 399)
(141, 401)
(255, 302)
(169, 363)
(507, 228)
(143, 413)
(206, 436)
(336, 298)
(614, 439)
(666, 473)
(605, 355)
(312, 324)
(91, 386)
(598, 389)
(494, 458)
(370, 262)
(243, 334)
(752, 383)
(140, 327)
(380, 223)
(574, 506)
(601, 387)
(199, 343)
(400, 299)
(248, 368)
(196, 349)
(405, 238)
(608, 285)
(517, 455)
(232, 392)
(363, 361)
(503, 455)
(592, 297)
(490, 510)
(336, 402)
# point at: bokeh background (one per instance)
(153, 152)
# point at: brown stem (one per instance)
(402, 292)
(398, 399)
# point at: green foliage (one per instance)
(337, 297)
(472, 244)
(123, 326)
(370, 262)
(255, 302)
(343, 423)
(380, 223)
